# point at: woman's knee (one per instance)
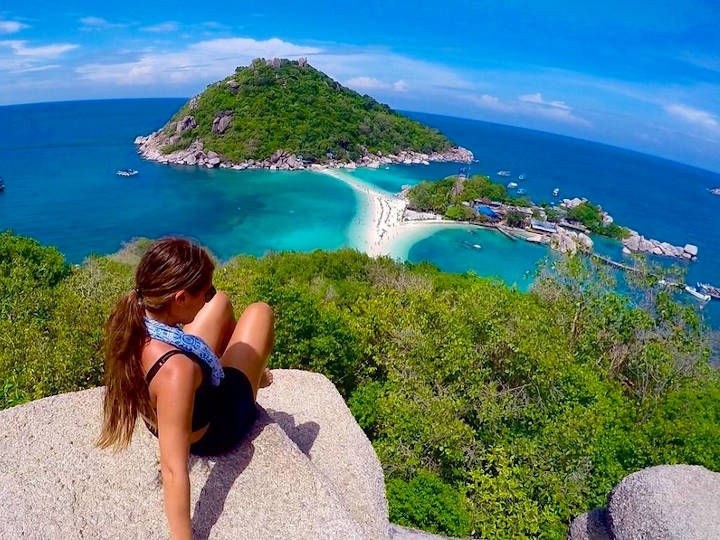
(261, 311)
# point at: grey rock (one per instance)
(669, 501)
(691, 249)
(590, 526)
(188, 122)
(221, 122)
(193, 103)
(54, 483)
(338, 448)
(233, 85)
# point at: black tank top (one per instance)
(204, 403)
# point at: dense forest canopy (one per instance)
(495, 413)
(291, 106)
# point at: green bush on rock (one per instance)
(495, 413)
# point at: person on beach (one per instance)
(175, 356)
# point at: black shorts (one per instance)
(234, 415)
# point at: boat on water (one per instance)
(126, 172)
(522, 177)
(708, 289)
(521, 191)
(697, 294)
(2, 185)
(503, 173)
(715, 191)
(556, 192)
(512, 185)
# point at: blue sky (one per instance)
(643, 75)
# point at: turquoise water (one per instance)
(58, 161)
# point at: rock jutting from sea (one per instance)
(151, 148)
(638, 243)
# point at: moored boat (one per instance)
(503, 173)
(126, 172)
(708, 289)
(556, 192)
(521, 191)
(697, 294)
(522, 177)
(512, 185)
(2, 185)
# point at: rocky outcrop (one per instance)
(570, 242)
(233, 86)
(669, 501)
(305, 471)
(187, 123)
(638, 243)
(222, 121)
(193, 103)
(151, 148)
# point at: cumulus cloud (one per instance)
(11, 27)
(161, 28)
(692, 115)
(20, 48)
(487, 101)
(400, 86)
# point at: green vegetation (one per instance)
(293, 107)
(591, 216)
(495, 413)
(437, 196)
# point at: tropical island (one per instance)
(285, 114)
(495, 413)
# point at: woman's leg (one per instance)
(214, 323)
(251, 343)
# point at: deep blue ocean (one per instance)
(58, 162)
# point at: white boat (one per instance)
(503, 173)
(706, 288)
(512, 185)
(126, 172)
(521, 191)
(556, 192)
(697, 294)
(477, 246)
(522, 177)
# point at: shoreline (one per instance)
(150, 147)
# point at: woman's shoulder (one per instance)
(178, 364)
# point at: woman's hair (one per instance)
(169, 264)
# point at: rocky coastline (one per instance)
(151, 148)
(639, 244)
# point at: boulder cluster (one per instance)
(570, 242)
(667, 501)
(638, 243)
(151, 147)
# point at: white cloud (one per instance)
(11, 27)
(400, 86)
(486, 101)
(33, 69)
(44, 51)
(365, 83)
(203, 61)
(553, 110)
(165, 27)
(538, 100)
(98, 23)
(693, 115)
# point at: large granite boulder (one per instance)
(188, 122)
(305, 471)
(673, 502)
(668, 501)
(222, 122)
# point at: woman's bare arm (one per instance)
(175, 396)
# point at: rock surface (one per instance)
(590, 526)
(638, 243)
(187, 123)
(326, 484)
(222, 122)
(668, 501)
(674, 502)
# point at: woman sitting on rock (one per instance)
(195, 386)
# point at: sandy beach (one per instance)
(381, 226)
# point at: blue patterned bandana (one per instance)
(188, 343)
